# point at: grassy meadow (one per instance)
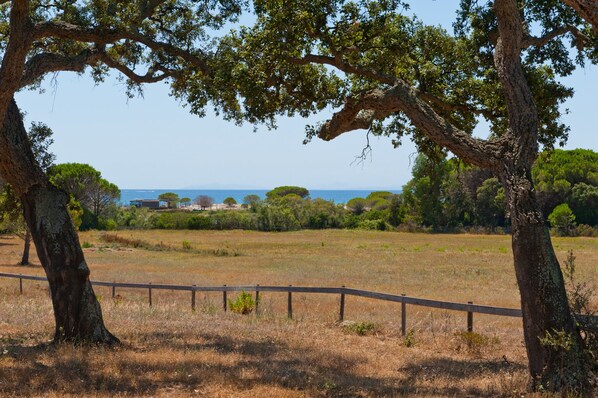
(169, 350)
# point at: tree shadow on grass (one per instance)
(208, 362)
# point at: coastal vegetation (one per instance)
(444, 195)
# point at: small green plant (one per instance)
(329, 386)
(117, 299)
(186, 245)
(360, 328)
(86, 245)
(409, 339)
(580, 297)
(243, 303)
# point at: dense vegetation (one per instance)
(444, 195)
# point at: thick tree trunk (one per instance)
(76, 310)
(557, 363)
(26, 248)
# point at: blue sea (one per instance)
(338, 196)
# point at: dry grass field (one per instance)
(169, 350)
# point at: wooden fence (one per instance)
(587, 322)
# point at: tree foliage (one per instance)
(170, 197)
(85, 184)
(230, 201)
(281, 192)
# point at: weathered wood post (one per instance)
(224, 298)
(21, 283)
(470, 319)
(341, 315)
(113, 290)
(290, 305)
(403, 317)
(193, 298)
(257, 299)
(150, 294)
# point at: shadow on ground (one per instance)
(165, 364)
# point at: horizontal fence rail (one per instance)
(587, 322)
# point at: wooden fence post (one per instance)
(193, 299)
(257, 299)
(113, 290)
(341, 315)
(290, 305)
(150, 294)
(20, 283)
(403, 317)
(470, 319)
(224, 299)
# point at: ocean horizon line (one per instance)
(336, 195)
(259, 189)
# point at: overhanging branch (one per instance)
(359, 113)
(529, 41)
(101, 37)
(41, 64)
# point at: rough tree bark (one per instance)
(76, 310)
(588, 9)
(543, 296)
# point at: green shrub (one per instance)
(230, 201)
(373, 225)
(360, 328)
(409, 339)
(243, 304)
(277, 218)
(186, 245)
(199, 222)
(172, 220)
(562, 220)
(586, 230)
(226, 220)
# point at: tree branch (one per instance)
(149, 77)
(377, 104)
(64, 30)
(44, 63)
(148, 8)
(529, 41)
(344, 66)
(13, 60)
(587, 9)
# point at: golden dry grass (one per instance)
(170, 351)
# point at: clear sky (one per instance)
(153, 142)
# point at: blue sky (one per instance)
(153, 142)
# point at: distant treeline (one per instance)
(444, 195)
